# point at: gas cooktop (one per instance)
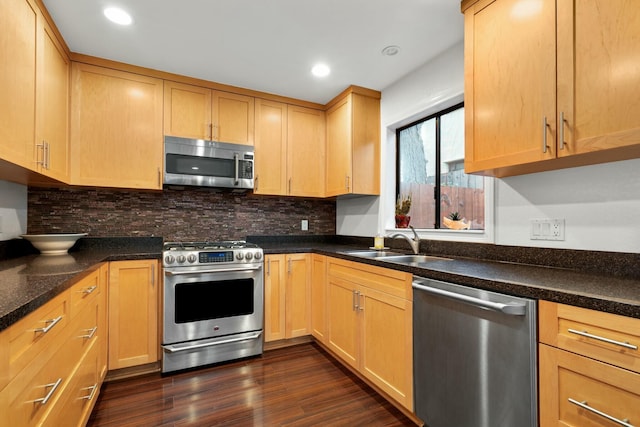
(206, 246)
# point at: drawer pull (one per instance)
(51, 324)
(93, 389)
(87, 291)
(54, 387)
(584, 405)
(91, 333)
(607, 340)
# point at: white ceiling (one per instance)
(267, 45)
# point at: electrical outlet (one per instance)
(304, 225)
(547, 229)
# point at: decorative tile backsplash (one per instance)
(174, 214)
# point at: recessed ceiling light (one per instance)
(117, 15)
(391, 50)
(321, 70)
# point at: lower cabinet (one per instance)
(369, 317)
(133, 313)
(589, 367)
(55, 360)
(287, 296)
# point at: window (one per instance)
(430, 168)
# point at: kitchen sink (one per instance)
(414, 260)
(371, 254)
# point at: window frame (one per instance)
(438, 165)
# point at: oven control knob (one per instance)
(192, 258)
(248, 256)
(239, 256)
(169, 259)
(257, 256)
(181, 259)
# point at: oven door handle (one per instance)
(246, 337)
(221, 270)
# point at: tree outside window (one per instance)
(430, 168)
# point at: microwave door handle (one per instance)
(237, 163)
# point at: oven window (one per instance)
(213, 300)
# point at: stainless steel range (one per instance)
(212, 303)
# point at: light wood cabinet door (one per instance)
(116, 128)
(133, 313)
(187, 111)
(573, 387)
(342, 318)
(270, 148)
(274, 297)
(52, 117)
(509, 83)
(598, 72)
(18, 27)
(319, 297)
(306, 152)
(233, 118)
(353, 146)
(386, 336)
(298, 304)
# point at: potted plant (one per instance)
(455, 222)
(403, 205)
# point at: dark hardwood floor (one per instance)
(294, 386)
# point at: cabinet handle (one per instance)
(346, 182)
(159, 178)
(41, 162)
(354, 303)
(51, 324)
(54, 387)
(545, 125)
(561, 123)
(289, 186)
(360, 304)
(47, 156)
(289, 266)
(255, 184)
(91, 333)
(269, 267)
(603, 339)
(153, 275)
(89, 290)
(585, 405)
(90, 396)
(210, 129)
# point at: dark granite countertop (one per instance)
(605, 292)
(29, 281)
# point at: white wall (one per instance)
(13, 210)
(600, 203)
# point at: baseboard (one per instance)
(273, 345)
(134, 371)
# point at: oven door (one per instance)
(199, 305)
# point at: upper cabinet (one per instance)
(52, 115)
(548, 86)
(34, 83)
(305, 152)
(18, 27)
(353, 143)
(270, 148)
(289, 150)
(116, 128)
(201, 113)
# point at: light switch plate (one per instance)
(547, 229)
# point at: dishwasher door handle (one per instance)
(513, 309)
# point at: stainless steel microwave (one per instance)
(201, 163)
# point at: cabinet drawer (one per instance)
(84, 331)
(85, 291)
(80, 395)
(386, 280)
(28, 390)
(36, 333)
(578, 391)
(603, 336)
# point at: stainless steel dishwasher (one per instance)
(474, 356)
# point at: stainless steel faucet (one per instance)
(415, 242)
